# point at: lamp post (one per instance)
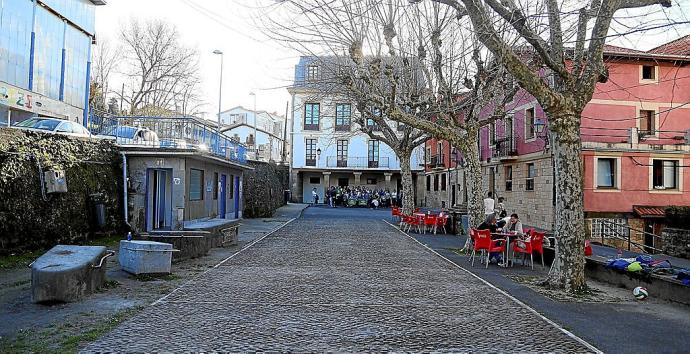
(220, 98)
(256, 122)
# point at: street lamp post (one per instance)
(256, 122)
(220, 98)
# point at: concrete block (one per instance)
(145, 257)
(67, 273)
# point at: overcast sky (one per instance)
(253, 63)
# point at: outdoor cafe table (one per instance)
(509, 238)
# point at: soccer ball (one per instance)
(640, 293)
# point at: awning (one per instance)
(649, 211)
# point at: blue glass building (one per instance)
(45, 58)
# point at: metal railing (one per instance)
(622, 232)
(504, 147)
(170, 133)
(357, 162)
(437, 161)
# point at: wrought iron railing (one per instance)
(504, 147)
(437, 161)
(603, 230)
(357, 162)
(169, 133)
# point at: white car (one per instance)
(128, 135)
(54, 125)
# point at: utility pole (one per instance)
(287, 106)
(122, 98)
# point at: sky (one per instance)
(251, 63)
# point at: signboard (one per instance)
(20, 99)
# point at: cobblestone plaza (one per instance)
(328, 283)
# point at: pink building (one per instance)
(636, 146)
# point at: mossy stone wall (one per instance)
(27, 219)
(263, 189)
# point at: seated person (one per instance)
(489, 224)
(501, 223)
(514, 225)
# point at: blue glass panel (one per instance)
(15, 41)
(77, 44)
(48, 53)
(80, 12)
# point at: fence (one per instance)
(356, 162)
(170, 133)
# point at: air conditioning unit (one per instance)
(56, 181)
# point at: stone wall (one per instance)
(27, 219)
(676, 242)
(263, 189)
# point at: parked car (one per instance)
(54, 125)
(128, 135)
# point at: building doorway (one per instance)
(452, 195)
(237, 196)
(159, 203)
(343, 182)
(649, 227)
(222, 198)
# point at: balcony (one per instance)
(437, 161)
(504, 149)
(356, 162)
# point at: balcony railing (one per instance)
(504, 148)
(436, 161)
(168, 133)
(357, 162)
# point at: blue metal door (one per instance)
(237, 197)
(222, 197)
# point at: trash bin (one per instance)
(99, 209)
(287, 196)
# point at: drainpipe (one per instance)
(124, 188)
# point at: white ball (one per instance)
(640, 293)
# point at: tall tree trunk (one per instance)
(475, 194)
(407, 187)
(567, 271)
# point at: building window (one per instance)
(371, 180)
(373, 152)
(492, 133)
(231, 190)
(665, 174)
(371, 124)
(529, 123)
(312, 72)
(215, 186)
(310, 150)
(509, 178)
(311, 116)
(647, 122)
(342, 153)
(531, 173)
(606, 173)
(196, 184)
(428, 183)
(648, 72)
(314, 180)
(443, 182)
(435, 182)
(343, 114)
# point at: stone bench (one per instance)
(68, 273)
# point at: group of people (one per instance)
(358, 196)
(497, 220)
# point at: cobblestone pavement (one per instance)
(340, 285)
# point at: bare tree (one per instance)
(544, 29)
(161, 73)
(106, 59)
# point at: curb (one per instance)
(511, 297)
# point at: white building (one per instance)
(239, 123)
(328, 149)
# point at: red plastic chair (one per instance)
(430, 222)
(412, 221)
(395, 213)
(484, 243)
(533, 244)
(441, 222)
